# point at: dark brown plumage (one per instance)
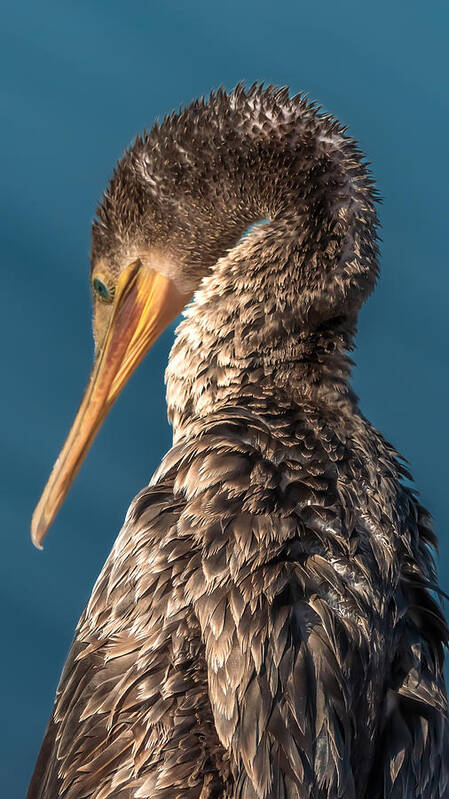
(264, 626)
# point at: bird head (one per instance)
(180, 198)
(155, 235)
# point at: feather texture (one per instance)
(264, 626)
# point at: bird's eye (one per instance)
(102, 290)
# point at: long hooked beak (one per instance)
(145, 303)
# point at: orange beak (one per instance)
(145, 303)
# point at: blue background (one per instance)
(80, 79)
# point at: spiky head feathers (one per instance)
(189, 188)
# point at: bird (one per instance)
(268, 624)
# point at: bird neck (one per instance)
(276, 310)
(250, 338)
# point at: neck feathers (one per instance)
(277, 310)
(247, 341)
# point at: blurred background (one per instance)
(79, 79)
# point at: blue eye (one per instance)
(102, 290)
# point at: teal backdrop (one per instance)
(79, 79)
